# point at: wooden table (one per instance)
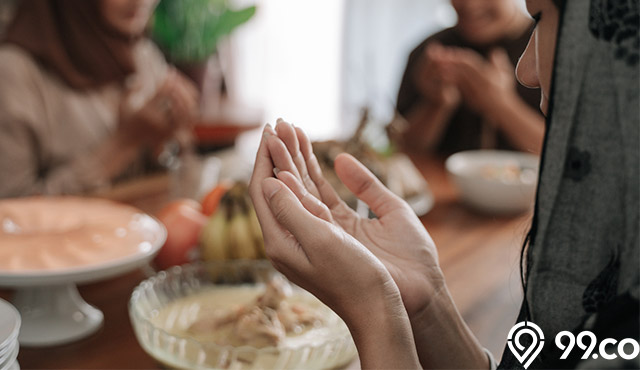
(479, 255)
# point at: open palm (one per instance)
(397, 237)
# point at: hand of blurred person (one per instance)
(397, 237)
(171, 109)
(303, 242)
(486, 85)
(435, 84)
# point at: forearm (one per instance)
(427, 124)
(443, 339)
(523, 126)
(382, 333)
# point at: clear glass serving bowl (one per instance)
(332, 349)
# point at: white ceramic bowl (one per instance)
(9, 328)
(153, 297)
(495, 181)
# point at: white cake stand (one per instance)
(52, 310)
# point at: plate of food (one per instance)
(236, 314)
(396, 170)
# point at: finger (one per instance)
(189, 92)
(466, 71)
(162, 102)
(327, 193)
(263, 166)
(189, 86)
(179, 108)
(308, 200)
(281, 248)
(287, 133)
(185, 99)
(262, 169)
(366, 186)
(305, 144)
(310, 231)
(281, 157)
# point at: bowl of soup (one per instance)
(236, 315)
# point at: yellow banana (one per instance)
(241, 243)
(256, 232)
(214, 237)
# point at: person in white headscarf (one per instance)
(581, 267)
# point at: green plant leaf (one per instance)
(189, 30)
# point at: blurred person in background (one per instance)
(459, 91)
(85, 96)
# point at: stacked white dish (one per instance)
(9, 329)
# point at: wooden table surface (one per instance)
(479, 255)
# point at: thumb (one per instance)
(366, 186)
(291, 214)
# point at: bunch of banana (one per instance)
(233, 231)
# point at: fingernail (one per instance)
(270, 187)
(276, 170)
(267, 131)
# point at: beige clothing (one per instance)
(49, 131)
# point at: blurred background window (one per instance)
(317, 63)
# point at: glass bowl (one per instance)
(158, 321)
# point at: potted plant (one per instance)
(188, 31)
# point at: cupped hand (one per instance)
(396, 237)
(434, 83)
(171, 108)
(484, 84)
(305, 245)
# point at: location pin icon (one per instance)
(525, 354)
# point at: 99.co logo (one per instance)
(566, 341)
(627, 349)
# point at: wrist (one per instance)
(381, 329)
(456, 347)
(432, 290)
(438, 105)
(501, 110)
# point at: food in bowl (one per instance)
(236, 314)
(508, 173)
(246, 315)
(494, 181)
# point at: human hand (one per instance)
(170, 110)
(434, 82)
(305, 245)
(397, 237)
(485, 85)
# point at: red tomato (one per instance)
(184, 222)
